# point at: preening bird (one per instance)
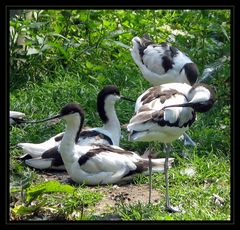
(163, 113)
(15, 117)
(43, 154)
(97, 164)
(162, 63)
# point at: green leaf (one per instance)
(23, 210)
(121, 44)
(40, 40)
(101, 78)
(58, 35)
(225, 32)
(32, 51)
(168, 218)
(50, 186)
(15, 189)
(106, 23)
(37, 25)
(46, 47)
(60, 48)
(98, 67)
(89, 64)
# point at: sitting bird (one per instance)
(37, 155)
(97, 164)
(15, 117)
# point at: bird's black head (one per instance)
(201, 98)
(199, 90)
(102, 95)
(108, 90)
(143, 43)
(72, 108)
(203, 107)
(146, 40)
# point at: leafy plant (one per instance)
(35, 193)
(35, 199)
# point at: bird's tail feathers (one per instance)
(34, 150)
(40, 163)
(158, 164)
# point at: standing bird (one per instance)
(15, 117)
(45, 155)
(162, 63)
(97, 164)
(163, 113)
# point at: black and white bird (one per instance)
(97, 164)
(163, 113)
(162, 63)
(15, 117)
(42, 155)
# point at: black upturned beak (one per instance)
(47, 119)
(127, 99)
(189, 104)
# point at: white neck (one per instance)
(67, 144)
(113, 124)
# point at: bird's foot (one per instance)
(170, 208)
(68, 181)
(189, 142)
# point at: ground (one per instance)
(112, 195)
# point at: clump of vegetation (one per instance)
(35, 201)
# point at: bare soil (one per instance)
(112, 195)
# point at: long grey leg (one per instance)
(168, 206)
(188, 140)
(150, 177)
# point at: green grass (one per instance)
(41, 86)
(194, 193)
